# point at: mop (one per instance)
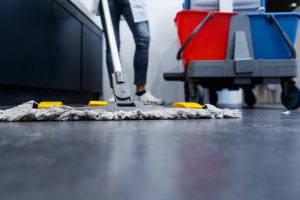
(29, 112)
(124, 108)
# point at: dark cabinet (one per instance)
(91, 61)
(25, 42)
(48, 48)
(66, 68)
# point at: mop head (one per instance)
(27, 112)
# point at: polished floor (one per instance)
(256, 157)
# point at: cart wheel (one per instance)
(249, 97)
(199, 94)
(196, 95)
(187, 92)
(213, 97)
(290, 96)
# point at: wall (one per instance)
(163, 50)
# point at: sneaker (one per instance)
(148, 98)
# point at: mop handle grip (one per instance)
(284, 35)
(193, 34)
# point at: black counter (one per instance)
(50, 50)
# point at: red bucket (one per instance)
(210, 43)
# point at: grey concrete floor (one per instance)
(256, 157)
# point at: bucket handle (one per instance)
(192, 35)
(284, 35)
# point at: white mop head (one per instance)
(26, 112)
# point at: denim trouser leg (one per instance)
(141, 56)
(141, 36)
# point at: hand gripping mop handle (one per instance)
(120, 87)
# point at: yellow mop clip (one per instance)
(49, 104)
(97, 103)
(187, 105)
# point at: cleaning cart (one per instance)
(236, 50)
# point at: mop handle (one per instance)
(111, 37)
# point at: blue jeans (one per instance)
(141, 36)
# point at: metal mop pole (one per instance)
(120, 87)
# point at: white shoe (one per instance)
(148, 98)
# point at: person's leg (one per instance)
(141, 56)
(115, 11)
(141, 36)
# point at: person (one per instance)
(134, 12)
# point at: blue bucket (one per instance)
(268, 42)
